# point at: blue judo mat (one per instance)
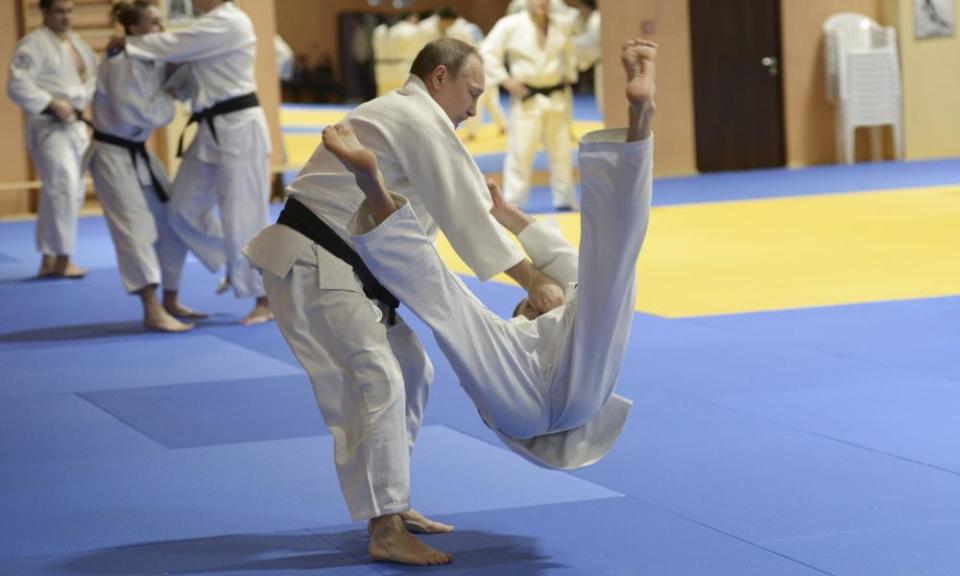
(786, 443)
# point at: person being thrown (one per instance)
(544, 383)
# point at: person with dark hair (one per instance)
(543, 382)
(221, 192)
(52, 77)
(131, 183)
(447, 23)
(370, 373)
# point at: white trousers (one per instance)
(148, 251)
(556, 374)
(57, 150)
(489, 101)
(371, 380)
(217, 208)
(547, 121)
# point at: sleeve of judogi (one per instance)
(209, 37)
(90, 83)
(453, 190)
(180, 83)
(22, 86)
(493, 51)
(587, 44)
(550, 252)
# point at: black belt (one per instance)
(219, 109)
(49, 112)
(545, 90)
(135, 148)
(297, 216)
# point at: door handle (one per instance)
(771, 64)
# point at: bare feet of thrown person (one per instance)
(391, 541)
(343, 143)
(639, 62)
(59, 267)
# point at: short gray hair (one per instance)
(448, 52)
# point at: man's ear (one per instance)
(439, 76)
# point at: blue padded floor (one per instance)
(786, 443)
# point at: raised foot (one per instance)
(390, 541)
(342, 142)
(639, 62)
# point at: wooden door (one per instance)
(738, 95)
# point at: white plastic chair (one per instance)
(863, 80)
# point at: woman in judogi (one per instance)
(131, 184)
(52, 77)
(227, 166)
(543, 382)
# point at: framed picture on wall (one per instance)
(179, 10)
(934, 18)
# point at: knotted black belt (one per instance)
(297, 216)
(219, 109)
(545, 90)
(136, 149)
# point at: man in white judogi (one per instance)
(131, 183)
(447, 23)
(545, 383)
(371, 376)
(52, 77)
(542, 64)
(227, 166)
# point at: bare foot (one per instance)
(639, 62)
(171, 303)
(223, 285)
(362, 163)
(161, 321)
(420, 524)
(343, 143)
(390, 541)
(59, 267)
(261, 313)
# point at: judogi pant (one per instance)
(236, 185)
(371, 380)
(557, 372)
(57, 150)
(545, 120)
(148, 251)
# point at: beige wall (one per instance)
(673, 125)
(808, 116)
(310, 26)
(14, 164)
(931, 86)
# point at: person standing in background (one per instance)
(53, 77)
(542, 65)
(131, 183)
(227, 166)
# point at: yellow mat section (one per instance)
(301, 145)
(798, 252)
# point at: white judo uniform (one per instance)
(545, 386)
(394, 49)
(538, 118)
(43, 68)
(372, 380)
(130, 103)
(229, 169)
